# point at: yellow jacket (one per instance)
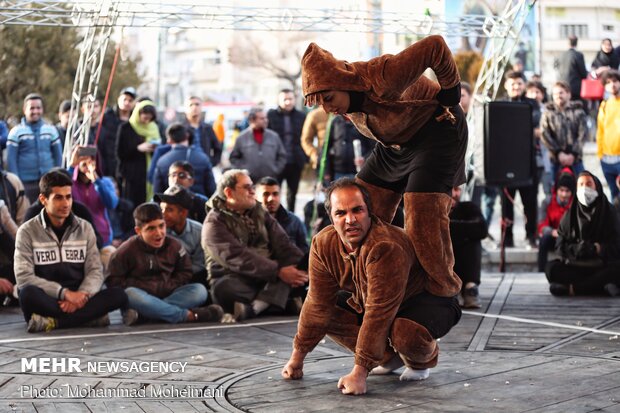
(608, 129)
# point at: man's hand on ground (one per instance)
(292, 276)
(354, 382)
(294, 369)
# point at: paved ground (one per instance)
(525, 351)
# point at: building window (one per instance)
(579, 30)
(608, 28)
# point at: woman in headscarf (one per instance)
(606, 58)
(136, 139)
(422, 138)
(588, 243)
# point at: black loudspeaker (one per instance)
(508, 144)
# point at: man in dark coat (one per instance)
(288, 122)
(572, 68)
(112, 118)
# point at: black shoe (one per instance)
(531, 243)
(209, 313)
(558, 289)
(293, 306)
(509, 241)
(471, 298)
(612, 289)
(243, 311)
(102, 321)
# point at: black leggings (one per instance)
(437, 314)
(34, 300)
(585, 280)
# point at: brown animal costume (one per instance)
(386, 300)
(422, 137)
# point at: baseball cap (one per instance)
(176, 195)
(129, 91)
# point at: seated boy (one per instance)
(155, 271)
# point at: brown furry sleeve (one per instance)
(400, 71)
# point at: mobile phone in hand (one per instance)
(90, 151)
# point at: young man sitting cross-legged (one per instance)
(57, 266)
(155, 271)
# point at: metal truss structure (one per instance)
(502, 39)
(218, 17)
(100, 17)
(88, 73)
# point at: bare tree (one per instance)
(280, 56)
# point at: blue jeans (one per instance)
(611, 170)
(172, 309)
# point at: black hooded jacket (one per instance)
(582, 227)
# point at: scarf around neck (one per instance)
(592, 223)
(150, 131)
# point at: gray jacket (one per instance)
(44, 261)
(267, 159)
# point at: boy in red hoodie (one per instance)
(561, 199)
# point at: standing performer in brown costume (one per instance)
(422, 136)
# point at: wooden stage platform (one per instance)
(524, 351)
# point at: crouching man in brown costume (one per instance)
(368, 293)
(422, 136)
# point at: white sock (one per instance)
(259, 306)
(414, 375)
(395, 363)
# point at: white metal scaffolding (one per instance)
(100, 17)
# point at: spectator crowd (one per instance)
(135, 220)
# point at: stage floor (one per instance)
(524, 351)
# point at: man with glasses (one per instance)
(251, 262)
(181, 173)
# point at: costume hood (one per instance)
(320, 71)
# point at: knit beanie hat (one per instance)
(567, 180)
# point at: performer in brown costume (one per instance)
(422, 136)
(366, 289)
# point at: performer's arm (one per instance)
(403, 69)
(315, 314)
